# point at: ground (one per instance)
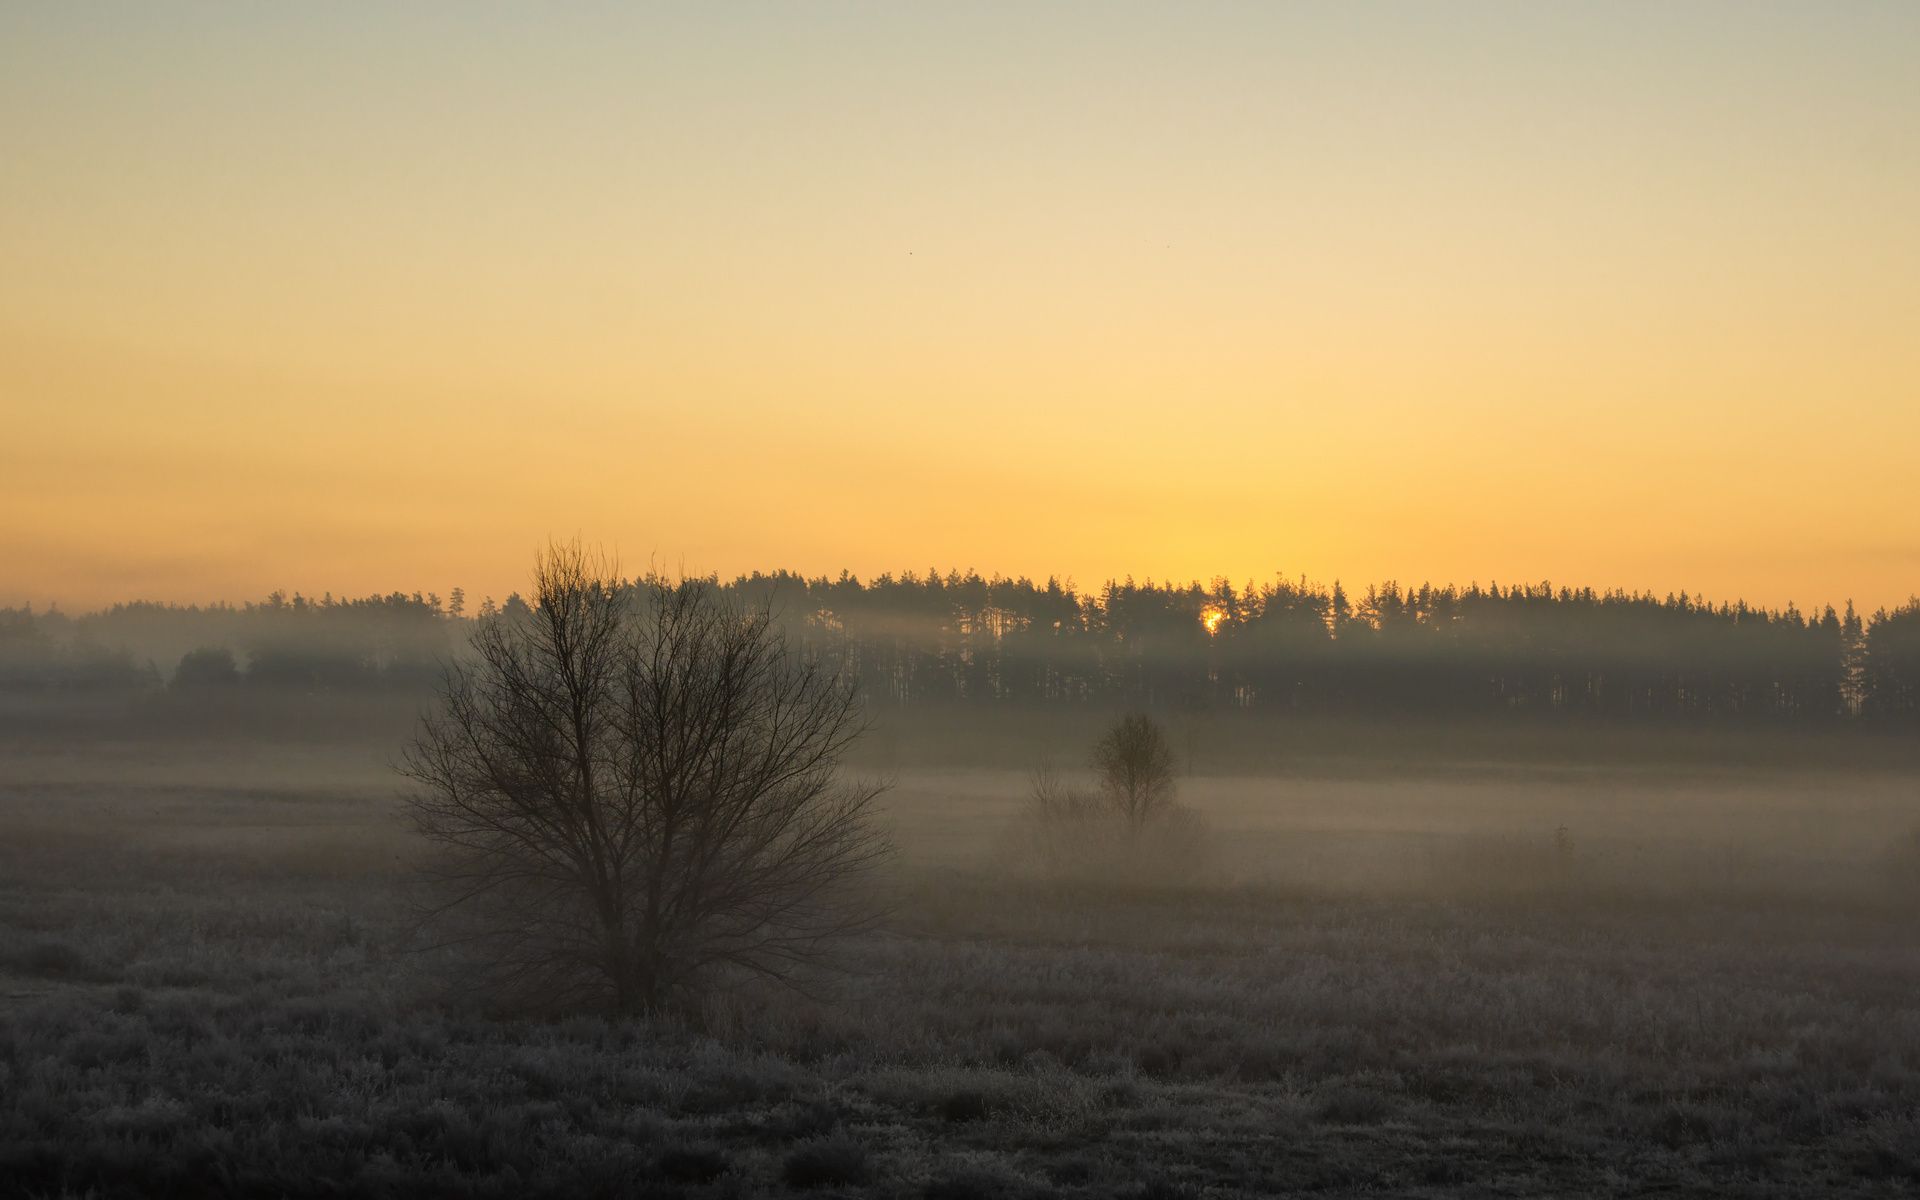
(1473, 979)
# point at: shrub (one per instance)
(835, 1161)
(1075, 834)
(209, 666)
(1903, 862)
(1352, 1106)
(974, 1183)
(968, 1104)
(690, 1164)
(54, 960)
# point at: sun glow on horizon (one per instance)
(305, 299)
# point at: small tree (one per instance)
(1133, 764)
(1128, 826)
(635, 788)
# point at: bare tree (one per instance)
(1127, 827)
(634, 789)
(1133, 763)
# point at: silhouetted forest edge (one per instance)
(934, 646)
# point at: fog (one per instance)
(1499, 776)
(1407, 944)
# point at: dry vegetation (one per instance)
(1473, 981)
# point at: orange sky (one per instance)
(352, 300)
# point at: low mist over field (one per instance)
(959, 600)
(1442, 911)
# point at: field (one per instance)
(1456, 977)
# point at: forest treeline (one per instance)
(918, 641)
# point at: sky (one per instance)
(359, 298)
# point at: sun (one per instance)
(1212, 617)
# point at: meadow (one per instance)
(1438, 975)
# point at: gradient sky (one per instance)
(363, 297)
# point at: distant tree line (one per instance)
(920, 641)
(1292, 646)
(394, 641)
